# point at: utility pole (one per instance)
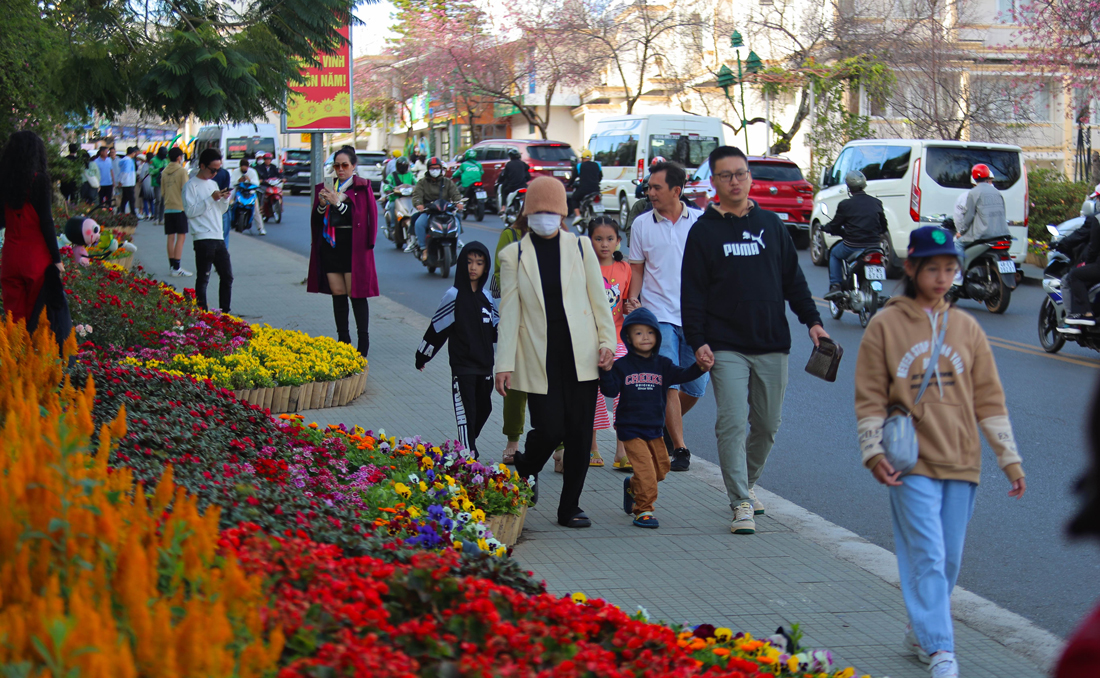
(316, 158)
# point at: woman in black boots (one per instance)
(344, 226)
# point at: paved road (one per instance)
(1017, 554)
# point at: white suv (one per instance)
(918, 182)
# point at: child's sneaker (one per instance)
(646, 519)
(628, 496)
(912, 646)
(944, 665)
(743, 522)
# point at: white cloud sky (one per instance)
(370, 38)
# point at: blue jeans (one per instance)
(676, 349)
(227, 219)
(421, 227)
(930, 518)
(839, 253)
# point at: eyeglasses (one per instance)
(341, 165)
(727, 177)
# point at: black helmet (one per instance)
(402, 164)
(513, 153)
(434, 162)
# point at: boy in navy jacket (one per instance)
(642, 379)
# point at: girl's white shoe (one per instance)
(944, 665)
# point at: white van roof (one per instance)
(935, 142)
(684, 121)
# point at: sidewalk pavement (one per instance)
(798, 568)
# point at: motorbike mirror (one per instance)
(1052, 229)
(825, 209)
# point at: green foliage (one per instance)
(1054, 199)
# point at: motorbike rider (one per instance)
(515, 175)
(468, 173)
(400, 175)
(267, 170)
(1086, 275)
(248, 175)
(860, 221)
(429, 189)
(984, 217)
(391, 164)
(585, 181)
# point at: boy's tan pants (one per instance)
(650, 461)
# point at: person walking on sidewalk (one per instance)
(173, 180)
(343, 228)
(555, 332)
(106, 178)
(642, 378)
(916, 337)
(205, 203)
(156, 170)
(656, 253)
(606, 239)
(740, 266)
(221, 178)
(515, 402)
(127, 181)
(466, 316)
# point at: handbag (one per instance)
(899, 434)
(825, 359)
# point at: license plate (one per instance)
(597, 207)
(481, 195)
(783, 215)
(1006, 266)
(303, 174)
(561, 173)
(875, 272)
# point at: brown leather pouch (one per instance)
(825, 359)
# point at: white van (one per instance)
(238, 141)
(918, 182)
(624, 145)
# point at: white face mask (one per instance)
(435, 173)
(544, 224)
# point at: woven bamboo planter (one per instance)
(1036, 259)
(312, 396)
(125, 262)
(507, 527)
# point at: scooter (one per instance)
(403, 209)
(989, 275)
(476, 197)
(861, 286)
(442, 237)
(590, 206)
(1053, 332)
(272, 206)
(514, 208)
(244, 201)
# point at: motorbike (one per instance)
(514, 208)
(272, 206)
(399, 232)
(1053, 334)
(989, 275)
(476, 197)
(861, 287)
(590, 206)
(442, 237)
(244, 201)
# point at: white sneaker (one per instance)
(742, 519)
(757, 506)
(181, 272)
(912, 646)
(944, 665)
(263, 231)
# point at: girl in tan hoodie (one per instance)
(932, 504)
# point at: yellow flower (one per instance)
(414, 512)
(847, 673)
(723, 634)
(579, 598)
(483, 545)
(478, 515)
(423, 486)
(403, 490)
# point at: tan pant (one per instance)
(650, 461)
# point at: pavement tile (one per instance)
(690, 570)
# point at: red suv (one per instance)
(549, 158)
(777, 185)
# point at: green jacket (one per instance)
(508, 236)
(394, 180)
(156, 166)
(468, 173)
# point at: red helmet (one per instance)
(981, 172)
(656, 159)
(433, 161)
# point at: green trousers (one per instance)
(515, 414)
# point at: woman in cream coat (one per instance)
(555, 333)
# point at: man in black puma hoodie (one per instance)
(466, 316)
(740, 268)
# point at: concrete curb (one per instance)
(1037, 646)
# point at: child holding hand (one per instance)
(641, 379)
(604, 232)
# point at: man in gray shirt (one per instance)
(985, 209)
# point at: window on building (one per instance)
(1011, 100)
(1012, 11)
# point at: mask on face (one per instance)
(435, 173)
(544, 224)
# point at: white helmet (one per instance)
(1088, 208)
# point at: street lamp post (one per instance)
(752, 64)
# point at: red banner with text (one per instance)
(323, 103)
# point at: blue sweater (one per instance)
(642, 384)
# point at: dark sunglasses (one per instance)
(342, 165)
